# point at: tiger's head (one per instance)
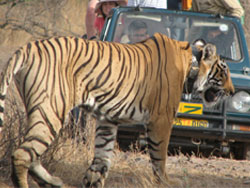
(212, 79)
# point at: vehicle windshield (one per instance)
(136, 27)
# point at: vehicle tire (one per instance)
(247, 151)
(241, 151)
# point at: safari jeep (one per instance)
(223, 129)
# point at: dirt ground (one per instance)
(130, 169)
(134, 170)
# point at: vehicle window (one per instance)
(131, 28)
(129, 24)
(222, 34)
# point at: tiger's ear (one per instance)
(208, 51)
(197, 48)
(199, 43)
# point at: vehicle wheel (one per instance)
(241, 151)
(248, 151)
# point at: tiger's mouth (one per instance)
(212, 95)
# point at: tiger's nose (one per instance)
(230, 91)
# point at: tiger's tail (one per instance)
(14, 64)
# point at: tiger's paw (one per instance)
(93, 179)
(95, 175)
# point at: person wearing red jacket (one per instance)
(95, 17)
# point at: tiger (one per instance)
(115, 83)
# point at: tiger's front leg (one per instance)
(158, 139)
(104, 145)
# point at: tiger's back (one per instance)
(72, 71)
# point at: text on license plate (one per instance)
(190, 122)
(190, 108)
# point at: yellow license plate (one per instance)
(190, 108)
(190, 122)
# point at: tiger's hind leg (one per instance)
(26, 159)
(104, 145)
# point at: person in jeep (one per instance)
(222, 37)
(138, 31)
